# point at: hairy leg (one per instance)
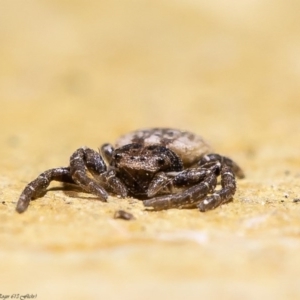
(189, 197)
(86, 159)
(197, 195)
(223, 195)
(39, 185)
(169, 181)
(83, 160)
(223, 160)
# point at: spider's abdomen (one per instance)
(188, 146)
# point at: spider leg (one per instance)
(222, 196)
(183, 178)
(159, 182)
(37, 186)
(113, 183)
(223, 160)
(85, 159)
(189, 197)
(107, 151)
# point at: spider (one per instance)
(164, 167)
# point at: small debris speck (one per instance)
(296, 200)
(122, 214)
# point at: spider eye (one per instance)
(161, 161)
(118, 156)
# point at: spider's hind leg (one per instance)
(39, 185)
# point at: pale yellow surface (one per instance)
(79, 73)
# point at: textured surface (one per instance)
(79, 73)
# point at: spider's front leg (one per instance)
(39, 185)
(85, 159)
(203, 180)
(167, 181)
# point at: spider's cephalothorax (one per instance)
(164, 167)
(137, 165)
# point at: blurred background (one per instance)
(76, 72)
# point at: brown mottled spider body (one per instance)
(164, 167)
